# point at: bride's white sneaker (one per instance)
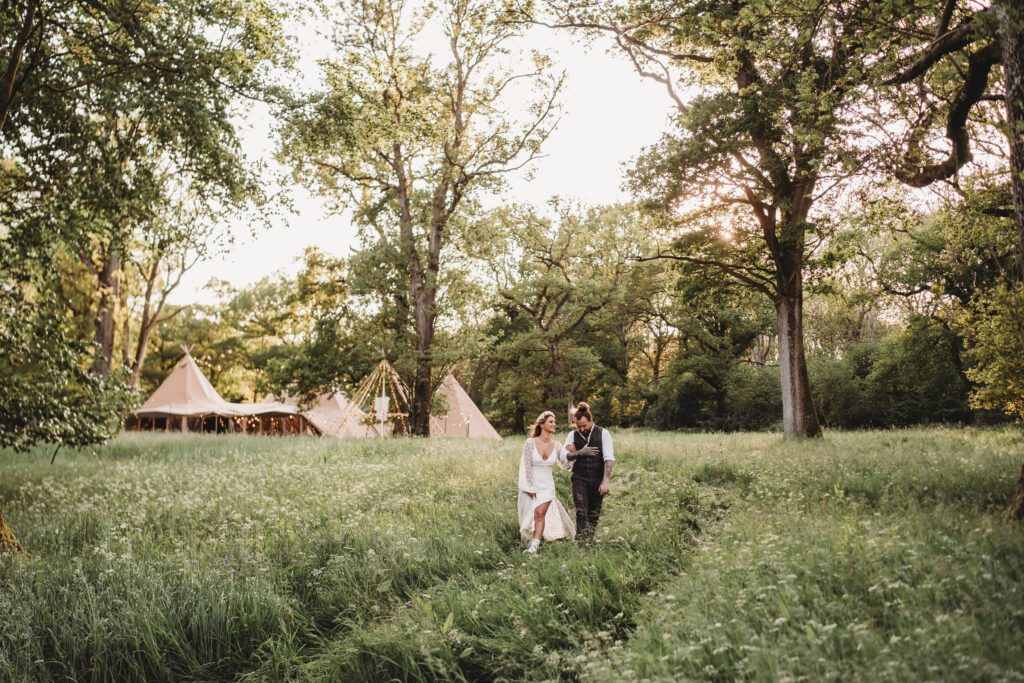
(533, 547)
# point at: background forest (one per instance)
(892, 325)
(830, 232)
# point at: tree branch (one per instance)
(970, 93)
(949, 42)
(764, 286)
(17, 52)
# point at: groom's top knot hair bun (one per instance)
(582, 410)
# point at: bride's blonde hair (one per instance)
(541, 419)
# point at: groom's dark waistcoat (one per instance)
(589, 467)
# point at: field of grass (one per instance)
(864, 556)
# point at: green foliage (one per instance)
(918, 376)
(965, 247)
(841, 390)
(46, 396)
(102, 132)
(914, 376)
(566, 294)
(994, 329)
(119, 154)
(752, 398)
(411, 142)
(964, 256)
(763, 99)
(744, 397)
(708, 384)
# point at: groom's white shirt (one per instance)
(607, 450)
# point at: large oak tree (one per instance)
(763, 94)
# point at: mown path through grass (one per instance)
(217, 559)
(743, 557)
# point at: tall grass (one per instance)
(210, 558)
(867, 557)
(730, 557)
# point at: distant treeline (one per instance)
(892, 331)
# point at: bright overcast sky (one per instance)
(610, 114)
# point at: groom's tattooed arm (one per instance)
(605, 486)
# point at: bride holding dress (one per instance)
(541, 515)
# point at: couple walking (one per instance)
(588, 453)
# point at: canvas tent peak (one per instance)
(464, 418)
(186, 391)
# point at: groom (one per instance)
(592, 457)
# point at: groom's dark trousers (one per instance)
(587, 474)
(588, 505)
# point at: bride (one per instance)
(540, 513)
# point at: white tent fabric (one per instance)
(187, 393)
(334, 415)
(464, 418)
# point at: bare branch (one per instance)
(949, 42)
(743, 274)
(970, 93)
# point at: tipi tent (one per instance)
(380, 405)
(464, 418)
(186, 401)
(185, 392)
(335, 415)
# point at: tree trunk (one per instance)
(1016, 511)
(423, 383)
(145, 326)
(798, 415)
(141, 349)
(421, 396)
(1010, 14)
(8, 542)
(110, 295)
(28, 26)
(623, 337)
(550, 388)
(126, 337)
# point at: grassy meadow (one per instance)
(864, 556)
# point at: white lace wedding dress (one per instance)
(535, 477)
